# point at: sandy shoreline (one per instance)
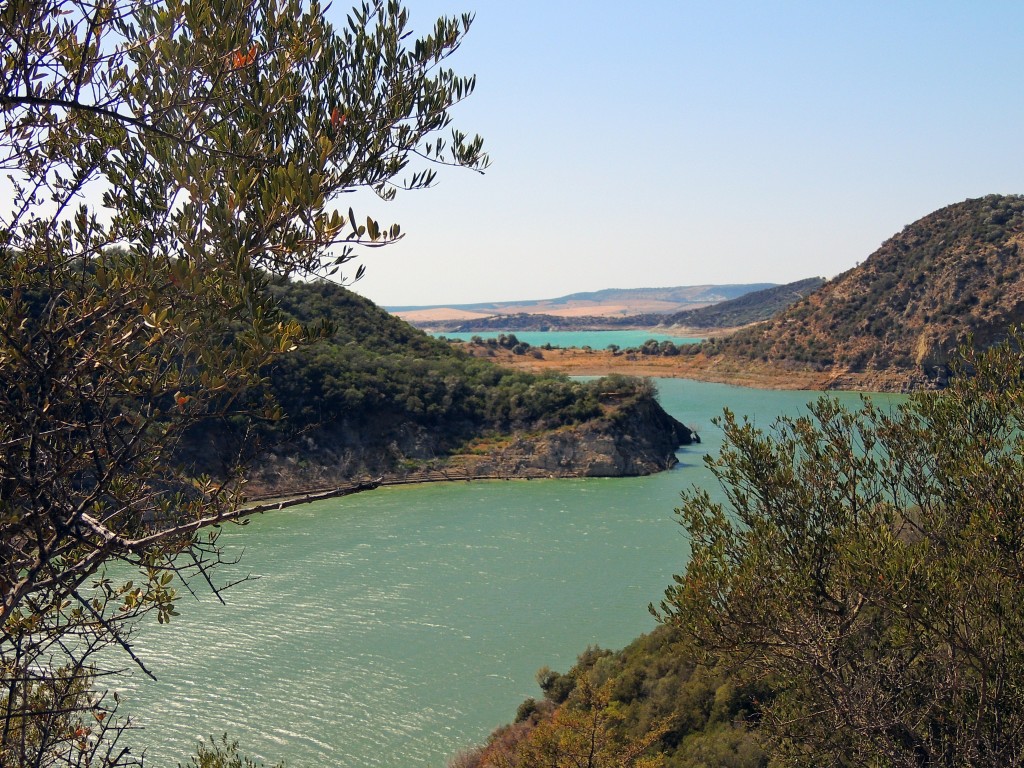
(718, 369)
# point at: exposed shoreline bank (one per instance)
(718, 369)
(578, 362)
(274, 501)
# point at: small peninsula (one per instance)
(380, 400)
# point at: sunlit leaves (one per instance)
(217, 136)
(868, 565)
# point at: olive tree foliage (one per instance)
(221, 753)
(164, 158)
(869, 565)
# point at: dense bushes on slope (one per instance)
(650, 694)
(375, 366)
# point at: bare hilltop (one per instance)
(895, 321)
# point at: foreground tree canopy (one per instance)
(165, 158)
(868, 567)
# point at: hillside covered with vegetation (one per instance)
(850, 598)
(376, 396)
(954, 273)
(374, 366)
(650, 699)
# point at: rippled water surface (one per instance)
(395, 627)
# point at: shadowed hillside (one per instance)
(749, 308)
(955, 272)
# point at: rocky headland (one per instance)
(374, 399)
(631, 438)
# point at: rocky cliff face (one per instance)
(633, 438)
(636, 439)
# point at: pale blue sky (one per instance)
(677, 143)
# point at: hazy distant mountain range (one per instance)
(610, 302)
(621, 308)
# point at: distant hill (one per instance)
(524, 321)
(607, 303)
(749, 308)
(957, 271)
(687, 294)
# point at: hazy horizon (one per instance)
(543, 299)
(688, 143)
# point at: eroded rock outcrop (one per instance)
(637, 437)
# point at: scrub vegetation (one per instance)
(165, 159)
(851, 600)
(904, 311)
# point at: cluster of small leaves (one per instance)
(868, 563)
(584, 732)
(221, 754)
(163, 158)
(34, 713)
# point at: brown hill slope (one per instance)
(749, 308)
(896, 318)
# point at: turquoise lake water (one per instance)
(592, 339)
(396, 627)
